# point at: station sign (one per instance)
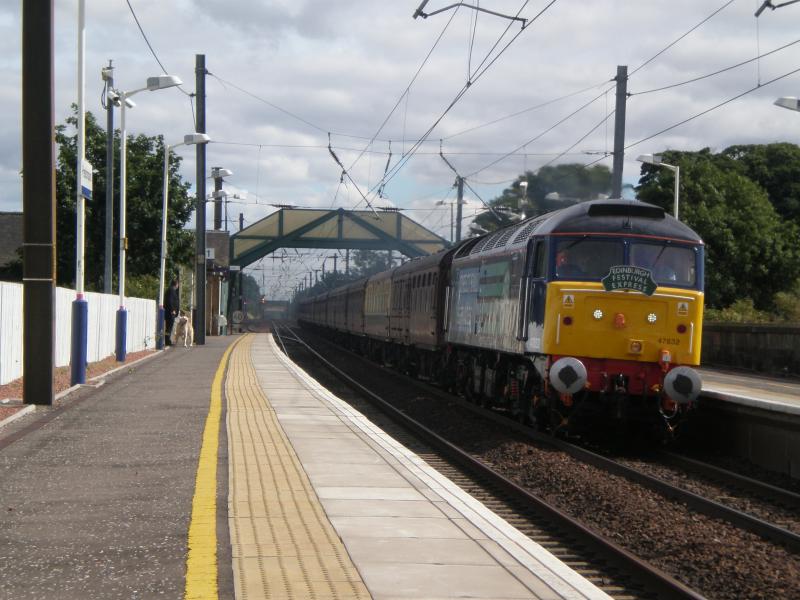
(86, 179)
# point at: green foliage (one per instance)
(369, 262)
(787, 306)
(776, 168)
(145, 164)
(251, 293)
(142, 286)
(741, 311)
(750, 251)
(551, 188)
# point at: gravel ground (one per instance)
(787, 517)
(715, 558)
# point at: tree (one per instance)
(251, 292)
(370, 262)
(145, 164)
(551, 188)
(776, 168)
(750, 251)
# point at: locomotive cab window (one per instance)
(587, 258)
(670, 264)
(540, 261)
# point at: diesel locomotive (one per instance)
(583, 320)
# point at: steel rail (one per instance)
(705, 506)
(744, 482)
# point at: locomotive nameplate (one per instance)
(625, 277)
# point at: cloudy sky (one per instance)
(286, 74)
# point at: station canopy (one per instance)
(333, 229)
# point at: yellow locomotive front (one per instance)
(622, 325)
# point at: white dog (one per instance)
(182, 331)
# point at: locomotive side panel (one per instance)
(485, 302)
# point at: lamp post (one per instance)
(153, 83)
(188, 140)
(80, 308)
(219, 174)
(655, 159)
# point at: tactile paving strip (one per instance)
(283, 544)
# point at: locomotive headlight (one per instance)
(652, 318)
(597, 314)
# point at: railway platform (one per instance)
(753, 417)
(224, 471)
(769, 393)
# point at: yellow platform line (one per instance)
(201, 562)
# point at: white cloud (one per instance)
(342, 66)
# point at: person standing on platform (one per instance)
(172, 305)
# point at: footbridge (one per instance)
(333, 229)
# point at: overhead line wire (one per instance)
(268, 103)
(671, 44)
(377, 152)
(583, 137)
(516, 114)
(700, 114)
(740, 64)
(163, 69)
(408, 87)
(146, 41)
(406, 157)
(541, 134)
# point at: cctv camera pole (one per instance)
(39, 203)
(200, 213)
(619, 131)
(109, 254)
(80, 308)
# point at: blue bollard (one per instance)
(122, 334)
(79, 341)
(160, 328)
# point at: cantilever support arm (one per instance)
(419, 13)
(767, 4)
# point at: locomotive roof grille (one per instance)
(626, 209)
(501, 241)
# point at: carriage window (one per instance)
(670, 264)
(587, 258)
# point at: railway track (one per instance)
(759, 497)
(609, 566)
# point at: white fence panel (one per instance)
(64, 298)
(10, 331)
(141, 324)
(101, 327)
